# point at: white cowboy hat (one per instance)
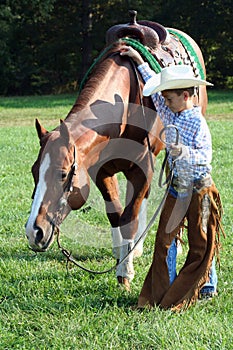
(172, 77)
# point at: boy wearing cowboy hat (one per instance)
(192, 194)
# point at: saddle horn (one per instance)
(145, 34)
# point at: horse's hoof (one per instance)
(124, 282)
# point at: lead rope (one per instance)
(69, 255)
(164, 164)
(71, 259)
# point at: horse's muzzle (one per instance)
(40, 239)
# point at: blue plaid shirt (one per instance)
(193, 133)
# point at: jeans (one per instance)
(209, 287)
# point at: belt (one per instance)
(197, 185)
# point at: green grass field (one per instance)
(42, 306)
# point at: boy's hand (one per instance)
(179, 151)
(129, 51)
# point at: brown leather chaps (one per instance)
(202, 210)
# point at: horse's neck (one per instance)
(101, 105)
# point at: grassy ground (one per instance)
(44, 307)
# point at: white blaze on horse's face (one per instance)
(31, 230)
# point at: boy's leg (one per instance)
(171, 261)
(157, 280)
(209, 289)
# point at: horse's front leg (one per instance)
(131, 229)
(125, 268)
(124, 222)
(108, 186)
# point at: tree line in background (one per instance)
(46, 46)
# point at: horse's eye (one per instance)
(63, 175)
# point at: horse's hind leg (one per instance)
(142, 222)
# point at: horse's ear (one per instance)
(61, 121)
(65, 133)
(41, 131)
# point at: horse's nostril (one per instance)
(39, 235)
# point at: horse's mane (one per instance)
(97, 73)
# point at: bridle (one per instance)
(69, 187)
(67, 190)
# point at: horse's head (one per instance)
(61, 184)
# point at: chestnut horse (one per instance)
(106, 132)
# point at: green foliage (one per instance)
(44, 307)
(47, 46)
